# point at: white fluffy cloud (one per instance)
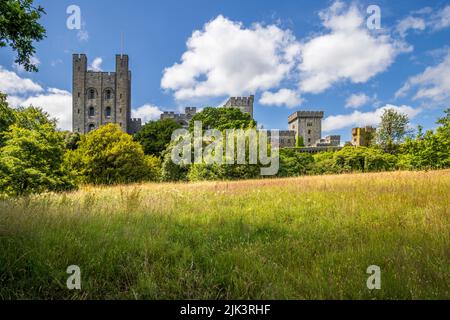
(357, 100)
(348, 51)
(441, 19)
(11, 83)
(283, 97)
(225, 58)
(147, 112)
(432, 84)
(96, 64)
(24, 92)
(359, 119)
(410, 23)
(58, 103)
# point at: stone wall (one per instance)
(99, 98)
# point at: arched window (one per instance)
(91, 111)
(108, 112)
(108, 94)
(91, 94)
(91, 127)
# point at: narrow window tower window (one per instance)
(91, 94)
(91, 127)
(91, 111)
(108, 94)
(108, 112)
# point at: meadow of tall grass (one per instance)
(297, 238)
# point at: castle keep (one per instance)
(307, 125)
(99, 98)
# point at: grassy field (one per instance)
(301, 238)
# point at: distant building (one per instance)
(362, 137)
(329, 141)
(245, 104)
(99, 98)
(181, 118)
(286, 137)
(307, 125)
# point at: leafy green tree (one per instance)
(393, 130)
(71, 140)
(19, 28)
(171, 171)
(7, 116)
(107, 156)
(293, 163)
(223, 118)
(155, 136)
(431, 151)
(31, 160)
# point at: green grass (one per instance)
(301, 238)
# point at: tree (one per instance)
(71, 140)
(155, 136)
(19, 28)
(7, 117)
(294, 163)
(107, 156)
(31, 160)
(431, 151)
(393, 129)
(223, 118)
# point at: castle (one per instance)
(99, 98)
(181, 118)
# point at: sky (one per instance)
(332, 56)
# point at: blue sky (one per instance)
(293, 55)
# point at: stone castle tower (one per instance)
(245, 104)
(99, 98)
(308, 125)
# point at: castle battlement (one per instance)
(245, 104)
(305, 114)
(100, 97)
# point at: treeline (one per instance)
(35, 157)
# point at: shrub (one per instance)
(155, 136)
(31, 161)
(293, 163)
(107, 156)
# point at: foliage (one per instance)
(19, 28)
(223, 118)
(293, 163)
(108, 155)
(429, 151)
(299, 143)
(393, 129)
(153, 168)
(31, 160)
(7, 116)
(155, 136)
(71, 140)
